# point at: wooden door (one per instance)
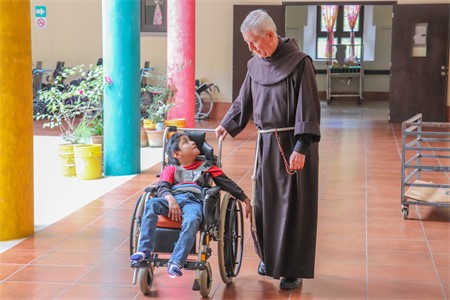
(241, 54)
(419, 82)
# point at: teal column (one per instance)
(121, 60)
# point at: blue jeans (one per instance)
(192, 214)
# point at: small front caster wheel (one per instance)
(205, 281)
(145, 280)
(405, 212)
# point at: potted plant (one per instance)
(74, 107)
(162, 100)
(96, 130)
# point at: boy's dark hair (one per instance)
(172, 146)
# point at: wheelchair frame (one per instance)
(226, 228)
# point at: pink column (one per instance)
(181, 58)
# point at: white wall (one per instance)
(73, 34)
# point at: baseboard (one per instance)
(367, 96)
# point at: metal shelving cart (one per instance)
(425, 164)
(339, 68)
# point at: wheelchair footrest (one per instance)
(140, 264)
(195, 265)
(163, 262)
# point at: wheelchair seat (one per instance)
(166, 222)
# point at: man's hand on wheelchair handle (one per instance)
(174, 208)
(220, 131)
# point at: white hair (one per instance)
(258, 22)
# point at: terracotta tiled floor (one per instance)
(365, 249)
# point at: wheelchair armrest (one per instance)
(151, 188)
(213, 191)
(211, 206)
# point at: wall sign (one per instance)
(40, 13)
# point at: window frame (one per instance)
(339, 25)
(145, 27)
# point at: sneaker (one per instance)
(140, 256)
(262, 269)
(174, 270)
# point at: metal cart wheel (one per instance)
(230, 238)
(405, 211)
(205, 278)
(145, 279)
(136, 219)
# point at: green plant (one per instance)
(162, 98)
(81, 132)
(97, 126)
(74, 108)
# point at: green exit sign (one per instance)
(40, 11)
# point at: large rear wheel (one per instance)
(205, 105)
(198, 106)
(230, 238)
(136, 219)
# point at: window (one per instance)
(341, 32)
(153, 16)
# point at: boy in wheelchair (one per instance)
(179, 196)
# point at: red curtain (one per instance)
(329, 14)
(352, 16)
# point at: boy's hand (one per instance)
(174, 209)
(248, 208)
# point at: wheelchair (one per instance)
(222, 222)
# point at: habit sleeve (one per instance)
(307, 118)
(240, 111)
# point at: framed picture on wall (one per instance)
(153, 16)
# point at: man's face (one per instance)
(263, 46)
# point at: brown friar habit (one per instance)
(281, 91)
